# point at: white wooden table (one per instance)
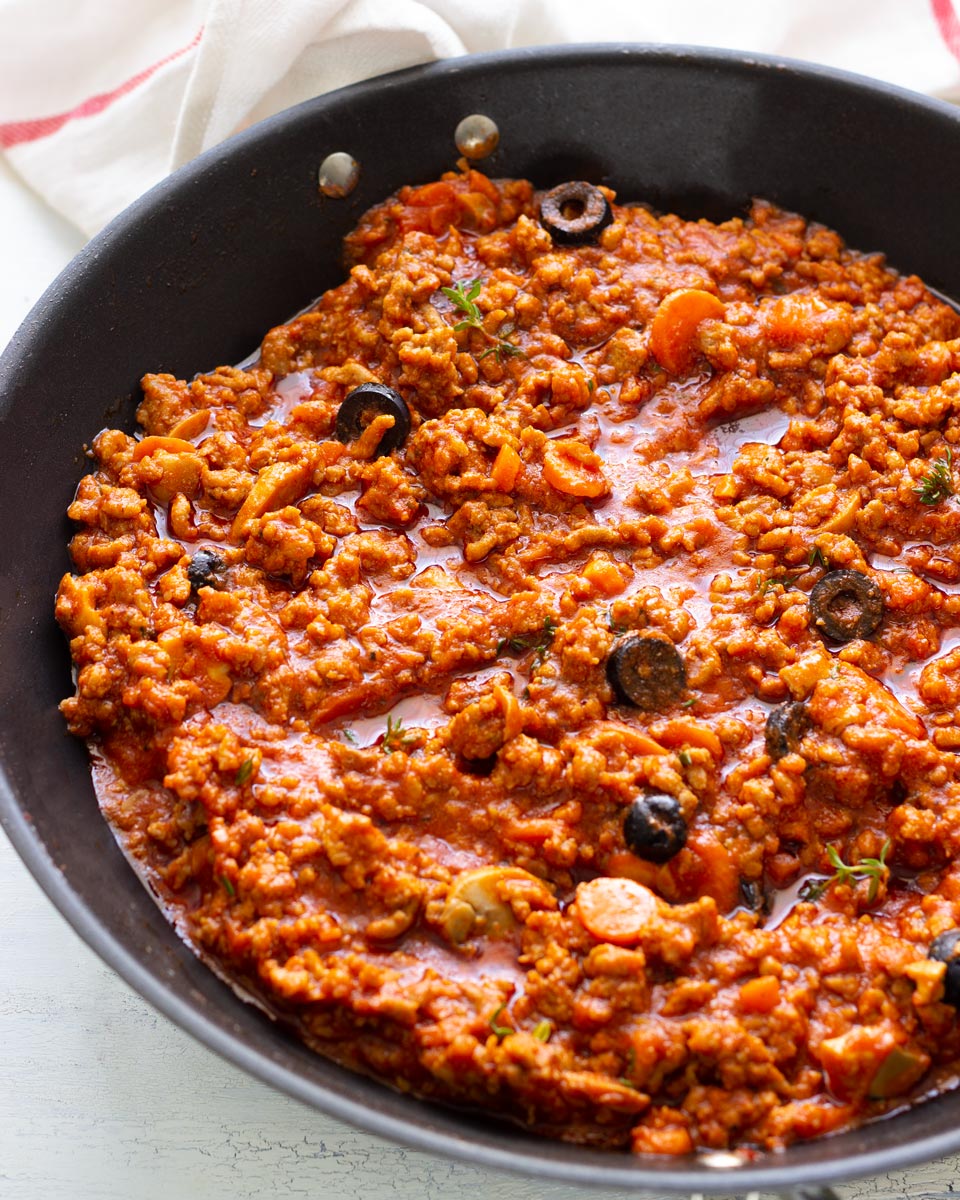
(103, 1099)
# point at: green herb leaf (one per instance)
(501, 1031)
(349, 736)
(503, 349)
(685, 758)
(542, 1030)
(244, 772)
(628, 1069)
(873, 869)
(228, 887)
(463, 296)
(816, 558)
(689, 703)
(396, 737)
(938, 484)
(786, 581)
(540, 642)
(614, 626)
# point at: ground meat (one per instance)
(354, 717)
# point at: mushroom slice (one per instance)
(482, 900)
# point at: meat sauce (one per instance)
(352, 715)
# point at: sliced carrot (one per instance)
(642, 743)
(506, 468)
(604, 576)
(476, 211)
(429, 195)
(510, 707)
(429, 209)
(835, 698)
(368, 441)
(478, 182)
(571, 467)
(615, 733)
(665, 1139)
(803, 318)
(682, 731)
(192, 426)
(616, 910)
(275, 487)
(673, 330)
(760, 995)
(167, 474)
(627, 865)
(707, 868)
(172, 445)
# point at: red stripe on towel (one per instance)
(13, 133)
(949, 25)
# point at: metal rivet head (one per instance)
(476, 136)
(338, 174)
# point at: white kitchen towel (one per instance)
(99, 99)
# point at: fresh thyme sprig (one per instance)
(873, 869)
(788, 582)
(937, 485)
(540, 641)
(463, 296)
(615, 626)
(816, 558)
(396, 737)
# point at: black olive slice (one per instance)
(371, 400)
(654, 828)
(204, 568)
(785, 727)
(946, 949)
(574, 213)
(648, 672)
(846, 605)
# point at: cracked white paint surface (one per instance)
(103, 1099)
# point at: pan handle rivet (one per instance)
(338, 174)
(476, 136)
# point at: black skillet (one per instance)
(191, 276)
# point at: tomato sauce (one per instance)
(353, 716)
